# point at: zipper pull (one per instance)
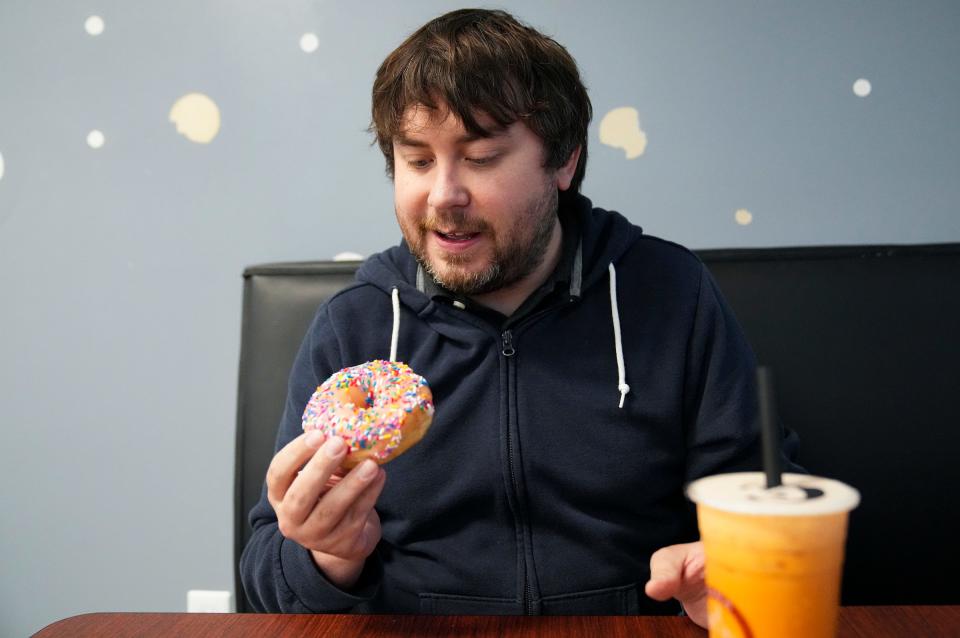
(508, 349)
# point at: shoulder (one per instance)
(354, 302)
(651, 257)
(665, 249)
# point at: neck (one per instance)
(506, 300)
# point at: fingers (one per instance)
(666, 571)
(283, 468)
(319, 506)
(677, 572)
(338, 519)
(361, 488)
(370, 535)
(313, 480)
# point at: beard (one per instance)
(517, 251)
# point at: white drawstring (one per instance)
(395, 335)
(621, 370)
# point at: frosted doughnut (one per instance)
(380, 409)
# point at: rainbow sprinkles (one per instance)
(366, 405)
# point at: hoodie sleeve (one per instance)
(279, 575)
(720, 396)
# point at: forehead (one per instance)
(420, 120)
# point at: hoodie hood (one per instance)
(604, 237)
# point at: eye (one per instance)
(418, 164)
(482, 161)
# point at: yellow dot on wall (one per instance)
(196, 117)
(620, 128)
(743, 217)
(93, 25)
(96, 139)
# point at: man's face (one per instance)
(476, 212)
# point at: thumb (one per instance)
(666, 572)
(370, 534)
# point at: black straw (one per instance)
(769, 427)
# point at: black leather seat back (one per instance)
(279, 302)
(864, 343)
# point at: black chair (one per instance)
(863, 344)
(279, 301)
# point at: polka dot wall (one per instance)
(149, 152)
(197, 118)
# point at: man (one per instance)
(582, 372)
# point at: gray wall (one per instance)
(120, 266)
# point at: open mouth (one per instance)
(456, 237)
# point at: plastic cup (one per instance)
(774, 557)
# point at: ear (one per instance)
(564, 174)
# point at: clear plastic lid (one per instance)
(800, 494)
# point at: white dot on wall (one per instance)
(348, 256)
(1, 165)
(309, 42)
(94, 25)
(743, 217)
(862, 88)
(95, 139)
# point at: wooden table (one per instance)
(872, 622)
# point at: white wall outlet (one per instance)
(206, 600)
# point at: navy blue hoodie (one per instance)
(533, 491)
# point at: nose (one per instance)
(447, 190)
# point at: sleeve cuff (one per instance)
(314, 591)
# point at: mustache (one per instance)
(454, 221)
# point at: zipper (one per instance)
(507, 349)
(507, 340)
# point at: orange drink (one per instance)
(773, 556)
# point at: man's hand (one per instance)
(677, 572)
(329, 514)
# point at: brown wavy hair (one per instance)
(478, 61)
